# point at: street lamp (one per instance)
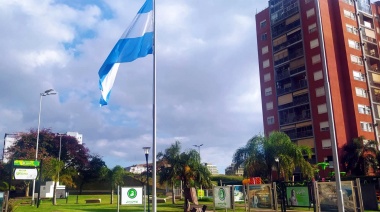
(199, 149)
(278, 167)
(46, 93)
(146, 151)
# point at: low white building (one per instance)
(136, 169)
(47, 190)
(76, 135)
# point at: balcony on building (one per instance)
(286, 26)
(281, 9)
(291, 100)
(291, 84)
(295, 114)
(290, 69)
(366, 21)
(373, 64)
(287, 40)
(371, 50)
(300, 132)
(364, 6)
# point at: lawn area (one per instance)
(105, 206)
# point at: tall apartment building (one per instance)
(319, 70)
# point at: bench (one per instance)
(93, 201)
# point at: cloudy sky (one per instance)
(207, 75)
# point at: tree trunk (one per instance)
(173, 194)
(55, 194)
(27, 187)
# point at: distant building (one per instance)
(231, 170)
(11, 138)
(212, 168)
(136, 169)
(78, 136)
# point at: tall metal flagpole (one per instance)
(154, 196)
(334, 149)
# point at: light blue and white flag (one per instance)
(136, 41)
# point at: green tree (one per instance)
(185, 166)
(51, 169)
(258, 156)
(359, 156)
(115, 176)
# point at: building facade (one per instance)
(231, 170)
(319, 75)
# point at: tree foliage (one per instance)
(359, 156)
(258, 156)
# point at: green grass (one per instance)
(23, 205)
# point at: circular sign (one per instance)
(132, 193)
(222, 194)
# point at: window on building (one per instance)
(264, 36)
(267, 77)
(312, 27)
(268, 91)
(361, 92)
(266, 63)
(310, 13)
(264, 50)
(314, 43)
(322, 109)
(358, 75)
(349, 14)
(366, 126)
(326, 144)
(377, 30)
(270, 120)
(318, 75)
(324, 126)
(320, 91)
(353, 44)
(269, 105)
(316, 59)
(356, 59)
(263, 24)
(351, 29)
(363, 109)
(350, 2)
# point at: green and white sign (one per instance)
(131, 195)
(222, 197)
(34, 163)
(25, 174)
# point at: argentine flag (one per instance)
(136, 41)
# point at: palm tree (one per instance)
(185, 166)
(258, 156)
(170, 163)
(359, 156)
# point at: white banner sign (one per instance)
(131, 195)
(222, 196)
(25, 174)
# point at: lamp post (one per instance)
(45, 93)
(60, 147)
(146, 151)
(282, 188)
(278, 167)
(199, 149)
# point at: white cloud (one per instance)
(207, 80)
